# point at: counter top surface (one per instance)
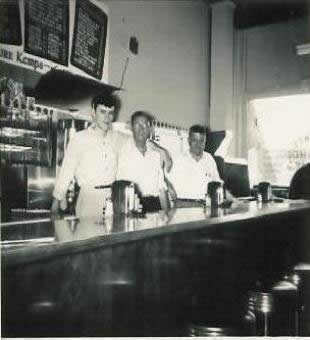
(32, 240)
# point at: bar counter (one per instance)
(146, 276)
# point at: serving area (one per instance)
(150, 276)
(25, 241)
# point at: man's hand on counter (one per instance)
(55, 210)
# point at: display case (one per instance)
(25, 134)
(33, 139)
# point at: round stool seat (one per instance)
(209, 330)
(284, 286)
(276, 308)
(286, 306)
(261, 303)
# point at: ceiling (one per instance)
(250, 13)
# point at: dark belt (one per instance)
(150, 203)
(102, 186)
(190, 200)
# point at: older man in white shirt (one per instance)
(193, 170)
(138, 163)
(91, 159)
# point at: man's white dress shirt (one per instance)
(144, 170)
(91, 159)
(190, 178)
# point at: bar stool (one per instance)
(300, 278)
(286, 307)
(262, 303)
(249, 318)
(238, 321)
(276, 307)
(195, 330)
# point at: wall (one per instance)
(169, 76)
(272, 63)
(222, 65)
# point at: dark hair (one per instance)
(107, 99)
(198, 129)
(144, 114)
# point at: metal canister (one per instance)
(265, 191)
(131, 197)
(123, 197)
(216, 193)
(207, 200)
(126, 200)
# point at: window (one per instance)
(279, 138)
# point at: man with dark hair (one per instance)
(91, 160)
(140, 164)
(198, 129)
(192, 171)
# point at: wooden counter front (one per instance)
(147, 276)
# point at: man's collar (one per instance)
(192, 157)
(91, 128)
(145, 148)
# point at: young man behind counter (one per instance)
(91, 159)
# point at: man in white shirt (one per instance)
(139, 164)
(91, 159)
(193, 170)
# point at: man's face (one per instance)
(141, 129)
(197, 142)
(103, 116)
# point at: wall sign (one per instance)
(10, 28)
(47, 29)
(89, 38)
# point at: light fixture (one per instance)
(303, 49)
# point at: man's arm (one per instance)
(165, 158)
(64, 178)
(172, 192)
(230, 196)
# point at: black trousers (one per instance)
(150, 203)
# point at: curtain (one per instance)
(239, 141)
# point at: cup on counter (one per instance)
(264, 189)
(216, 193)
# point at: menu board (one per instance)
(47, 29)
(10, 28)
(89, 38)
